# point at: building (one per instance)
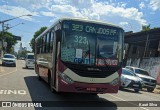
(21, 48)
(143, 50)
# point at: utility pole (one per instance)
(2, 33)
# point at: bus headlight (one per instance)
(66, 78)
(127, 80)
(115, 81)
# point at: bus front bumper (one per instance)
(79, 87)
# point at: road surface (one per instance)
(21, 84)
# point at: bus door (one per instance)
(56, 48)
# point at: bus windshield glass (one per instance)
(91, 44)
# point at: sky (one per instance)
(128, 14)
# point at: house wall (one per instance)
(139, 52)
(148, 42)
(152, 65)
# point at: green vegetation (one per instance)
(36, 34)
(10, 41)
(23, 53)
(146, 27)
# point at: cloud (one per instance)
(24, 44)
(12, 10)
(110, 11)
(122, 4)
(49, 14)
(128, 26)
(65, 10)
(154, 4)
(96, 10)
(38, 4)
(142, 5)
(123, 23)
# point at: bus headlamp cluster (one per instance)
(127, 80)
(66, 78)
(115, 81)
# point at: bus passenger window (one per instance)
(44, 44)
(38, 45)
(41, 45)
(51, 42)
(47, 42)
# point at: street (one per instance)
(21, 84)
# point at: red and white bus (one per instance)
(78, 55)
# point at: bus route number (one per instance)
(77, 27)
(80, 39)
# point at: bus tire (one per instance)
(39, 77)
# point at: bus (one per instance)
(80, 56)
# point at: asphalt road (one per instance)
(21, 84)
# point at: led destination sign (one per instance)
(94, 29)
(91, 28)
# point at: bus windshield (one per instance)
(89, 44)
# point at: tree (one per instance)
(23, 53)
(156, 28)
(36, 34)
(10, 41)
(146, 27)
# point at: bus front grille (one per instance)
(92, 71)
(93, 74)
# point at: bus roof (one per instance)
(78, 19)
(90, 21)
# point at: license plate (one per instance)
(91, 89)
(135, 85)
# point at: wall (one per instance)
(139, 52)
(152, 65)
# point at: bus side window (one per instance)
(41, 45)
(48, 43)
(44, 44)
(51, 41)
(38, 46)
